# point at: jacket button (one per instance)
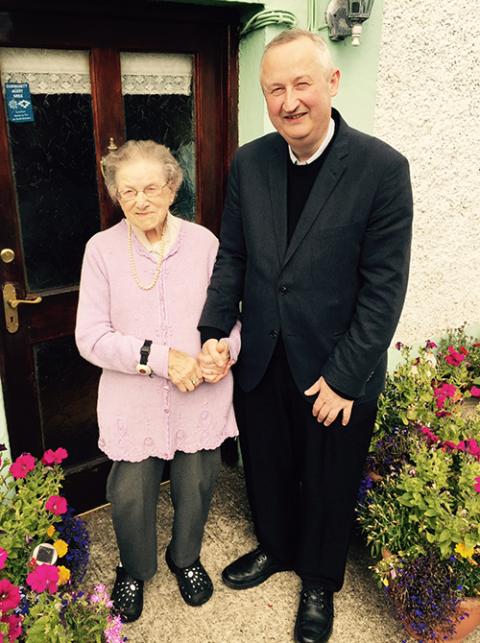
(274, 332)
(283, 290)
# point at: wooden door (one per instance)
(93, 93)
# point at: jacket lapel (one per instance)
(277, 181)
(324, 185)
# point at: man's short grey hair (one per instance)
(290, 35)
(147, 150)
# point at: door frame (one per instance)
(113, 28)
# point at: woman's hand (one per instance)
(214, 360)
(183, 371)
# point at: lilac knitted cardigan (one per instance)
(143, 416)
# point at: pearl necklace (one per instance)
(131, 259)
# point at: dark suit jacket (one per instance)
(336, 292)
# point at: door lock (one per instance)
(11, 304)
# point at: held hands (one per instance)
(214, 360)
(183, 371)
(329, 404)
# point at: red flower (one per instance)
(442, 392)
(56, 504)
(51, 457)
(430, 344)
(3, 557)
(44, 577)
(429, 434)
(475, 391)
(9, 595)
(22, 465)
(399, 346)
(476, 486)
(454, 358)
(14, 626)
(463, 350)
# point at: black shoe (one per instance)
(315, 616)
(194, 583)
(251, 569)
(127, 596)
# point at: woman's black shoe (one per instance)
(193, 581)
(127, 596)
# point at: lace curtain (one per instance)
(67, 72)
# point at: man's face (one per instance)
(298, 91)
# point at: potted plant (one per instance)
(44, 552)
(420, 501)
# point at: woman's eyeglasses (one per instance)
(150, 192)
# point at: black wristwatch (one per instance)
(142, 367)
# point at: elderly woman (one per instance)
(142, 290)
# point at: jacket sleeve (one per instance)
(225, 291)
(97, 340)
(383, 271)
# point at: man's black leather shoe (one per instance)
(127, 596)
(315, 616)
(251, 569)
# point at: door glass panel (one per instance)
(53, 161)
(67, 391)
(159, 105)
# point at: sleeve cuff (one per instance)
(158, 360)
(208, 332)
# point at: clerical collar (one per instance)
(321, 149)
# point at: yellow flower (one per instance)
(385, 581)
(61, 547)
(63, 575)
(464, 551)
(50, 531)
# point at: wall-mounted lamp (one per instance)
(345, 18)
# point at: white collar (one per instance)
(172, 226)
(321, 149)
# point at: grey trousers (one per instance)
(133, 489)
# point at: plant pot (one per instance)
(469, 609)
(468, 612)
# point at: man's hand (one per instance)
(183, 370)
(214, 360)
(328, 404)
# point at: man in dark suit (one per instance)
(314, 248)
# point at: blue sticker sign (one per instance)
(19, 103)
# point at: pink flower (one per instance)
(454, 358)
(430, 344)
(399, 346)
(56, 504)
(51, 457)
(9, 595)
(44, 577)
(429, 434)
(22, 465)
(448, 444)
(476, 486)
(3, 557)
(14, 626)
(475, 391)
(442, 392)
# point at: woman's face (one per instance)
(144, 195)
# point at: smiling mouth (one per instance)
(294, 117)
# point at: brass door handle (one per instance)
(13, 303)
(10, 305)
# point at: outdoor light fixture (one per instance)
(345, 18)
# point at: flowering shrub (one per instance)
(423, 506)
(40, 598)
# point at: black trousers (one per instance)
(302, 477)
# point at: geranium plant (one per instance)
(420, 501)
(44, 551)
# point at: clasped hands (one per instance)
(211, 365)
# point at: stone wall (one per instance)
(428, 107)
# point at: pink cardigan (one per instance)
(143, 416)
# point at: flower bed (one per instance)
(423, 502)
(44, 553)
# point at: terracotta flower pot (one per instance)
(469, 619)
(468, 613)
